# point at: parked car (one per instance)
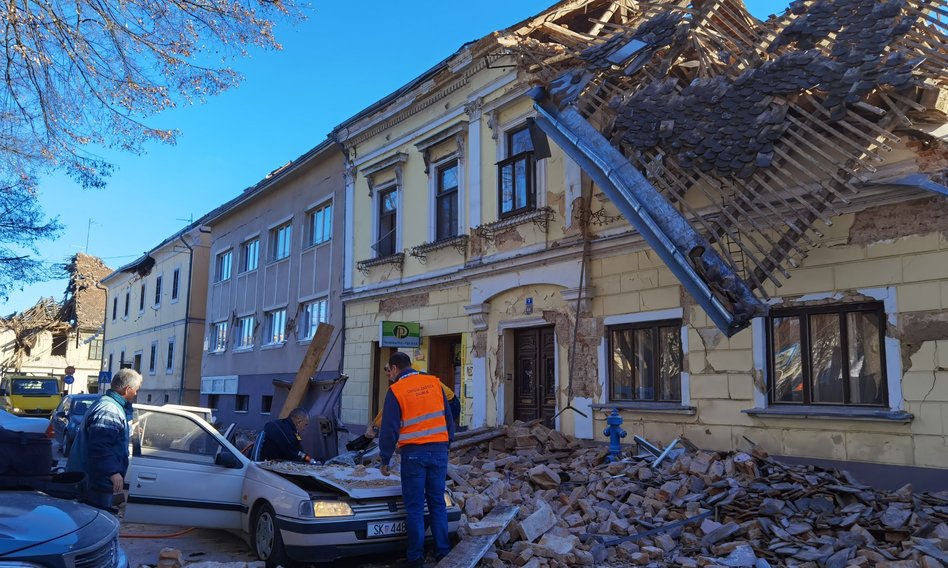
(30, 395)
(66, 419)
(43, 531)
(183, 468)
(20, 424)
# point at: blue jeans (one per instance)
(423, 479)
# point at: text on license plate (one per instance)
(389, 528)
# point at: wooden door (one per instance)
(534, 374)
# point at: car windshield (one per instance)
(35, 386)
(80, 406)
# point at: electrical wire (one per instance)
(166, 535)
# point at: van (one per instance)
(30, 395)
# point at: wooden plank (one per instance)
(313, 355)
(470, 550)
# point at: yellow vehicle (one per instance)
(30, 395)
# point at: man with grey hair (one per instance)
(101, 447)
(283, 438)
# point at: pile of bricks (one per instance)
(699, 509)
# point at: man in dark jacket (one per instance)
(101, 447)
(283, 438)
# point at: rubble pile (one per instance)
(701, 509)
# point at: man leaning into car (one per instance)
(416, 416)
(101, 447)
(283, 438)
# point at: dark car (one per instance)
(65, 421)
(40, 531)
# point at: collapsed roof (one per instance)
(769, 126)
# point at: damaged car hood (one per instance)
(358, 482)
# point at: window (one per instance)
(219, 336)
(446, 201)
(212, 401)
(128, 297)
(169, 356)
(645, 362)
(517, 191)
(244, 337)
(175, 438)
(387, 230)
(95, 349)
(60, 345)
(827, 355)
(122, 363)
(320, 224)
(141, 299)
(266, 403)
(223, 265)
(110, 363)
(276, 327)
(158, 291)
(280, 239)
(314, 313)
(249, 255)
(114, 308)
(153, 357)
(242, 404)
(174, 283)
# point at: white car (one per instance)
(21, 424)
(184, 472)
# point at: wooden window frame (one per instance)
(447, 193)
(393, 234)
(655, 326)
(530, 169)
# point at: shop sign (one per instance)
(399, 334)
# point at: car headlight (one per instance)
(448, 501)
(331, 509)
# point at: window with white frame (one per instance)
(314, 313)
(446, 201)
(280, 239)
(644, 362)
(830, 354)
(158, 290)
(218, 337)
(169, 356)
(153, 357)
(320, 224)
(516, 173)
(249, 255)
(387, 242)
(244, 331)
(276, 327)
(95, 349)
(174, 283)
(223, 265)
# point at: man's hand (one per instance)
(384, 470)
(118, 484)
(370, 432)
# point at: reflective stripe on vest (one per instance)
(423, 410)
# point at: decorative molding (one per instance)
(397, 259)
(459, 242)
(474, 108)
(571, 295)
(492, 117)
(456, 130)
(478, 314)
(394, 161)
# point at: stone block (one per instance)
(931, 451)
(559, 545)
(743, 339)
(620, 264)
(709, 386)
(919, 297)
(904, 245)
(770, 439)
(537, 524)
(925, 358)
(814, 444)
(833, 255)
(807, 280)
(640, 280)
(724, 411)
(170, 558)
(621, 304)
(608, 285)
(709, 437)
(928, 418)
(930, 266)
(741, 387)
(661, 298)
(879, 272)
(879, 448)
(739, 360)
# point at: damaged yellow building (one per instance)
(735, 231)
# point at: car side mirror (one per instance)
(226, 459)
(60, 414)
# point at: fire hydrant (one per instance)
(615, 432)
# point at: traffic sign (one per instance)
(69, 379)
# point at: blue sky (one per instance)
(343, 58)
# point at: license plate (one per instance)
(391, 528)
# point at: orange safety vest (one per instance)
(423, 412)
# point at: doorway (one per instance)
(444, 354)
(534, 374)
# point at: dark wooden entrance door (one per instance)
(534, 379)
